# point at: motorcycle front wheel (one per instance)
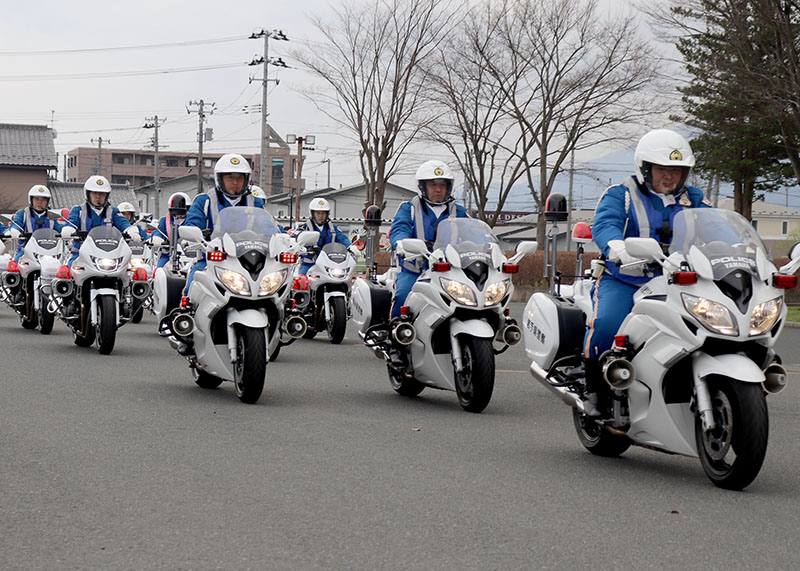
(250, 368)
(733, 451)
(338, 322)
(475, 383)
(46, 319)
(106, 324)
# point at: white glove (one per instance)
(618, 253)
(14, 233)
(67, 231)
(133, 233)
(157, 241)
(353, 249)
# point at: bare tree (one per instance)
(369, 60)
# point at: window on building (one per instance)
(276, 180)
(171, 162)
(755, 225)
(121, 159)
(207, 163)
(192, 162)
(146, 161)
(784, 227)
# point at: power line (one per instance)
(116, 73)
(126, 48)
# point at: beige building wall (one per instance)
(15, 184)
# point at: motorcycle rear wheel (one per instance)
(475, 383)
(106, 324)
(137, 316)
(405, 386)
(30, 317)
(205, 380)
(596, 439)
(733, 452)
(250, 368)
(338, 322)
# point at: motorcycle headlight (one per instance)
(496, 292)
(106, 264)
(234, 281)
(710, 314)
(460, 292)
(135, 263)
(271, 282)
(338, 273)
(764, 316)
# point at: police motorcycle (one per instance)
(95, 297)
(140, 266)
(232, 314)
(322, 297)
(454, 314)
(26, 282)
(692, 363)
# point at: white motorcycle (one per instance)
(323, 299)
(27, 282)
(139, 267)
(692, 362)
(234, 309)
(455, 312)
(95, 297)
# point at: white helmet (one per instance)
(179, 203)
(97, 183)
(258, 192)
(231, 163)
(665, 148)
(434, 170)
(126, 207)
(39, 191)
(318, 204)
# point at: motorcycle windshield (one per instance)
(235, 219)
(46, 238)
(471, 238)
(336, 252)
(725, 237)
(107, 238)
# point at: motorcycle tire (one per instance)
(475, 383)
(596, 439)
(137, 316)
(338, 322)
(205, 380)
(84, 340)
(250, 368)
(405, 386)
(46, 319)
(733, 452)
(30, 319)
(106, 324)
(275, 352)
(310, 333)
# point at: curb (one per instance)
(792, 324)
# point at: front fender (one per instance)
(474, 327)
(733, 366)
(248, 317)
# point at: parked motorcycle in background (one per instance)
(692, 363)
(27, 282)
(322, 298)
(454, 314)
(231, 318)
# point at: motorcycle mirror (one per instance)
(308, 238)
(414, 246)
(191, 233)
(526, 247)
(794, 251)
(644, 248)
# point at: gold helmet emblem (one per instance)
(40, 189)
(676, 155)
(438, 171)
(100, 182)
(234, 161)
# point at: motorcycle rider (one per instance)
(179, 203)
(643, 205)
(32, 217)
(319, 221)
(96, 211)
(128, 210)
(419, 218)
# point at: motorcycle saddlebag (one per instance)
(554, 328)
(370, 304)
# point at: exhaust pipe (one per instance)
(140, 290)
(619, 373)
(62, 288)
(510, 335)
(775, 380)
(183, 324)
(296, 326)
(568, 397)
(404, 333)
(11, 279)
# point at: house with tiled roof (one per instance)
(27, 157)
(69, 194)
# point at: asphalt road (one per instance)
(121, 462)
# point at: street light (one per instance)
(267, 61)
(300, 140)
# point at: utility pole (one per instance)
(153, 123)
(570, 201)
(201, 114)
(266, 61)
(310, 139)
(329, 171)
(98, 168)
